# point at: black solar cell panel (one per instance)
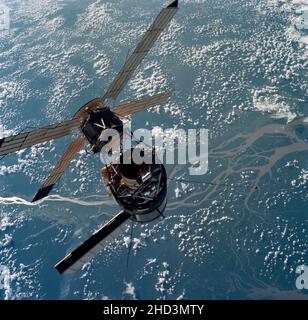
(98, 241)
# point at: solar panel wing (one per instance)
(128, 108)
(144, 46)
(98, 241)
(40, 135)
(60, 167)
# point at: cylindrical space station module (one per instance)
(139, 189)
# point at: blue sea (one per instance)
(238, 68)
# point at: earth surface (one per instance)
(239, 69)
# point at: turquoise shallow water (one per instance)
(239, 69)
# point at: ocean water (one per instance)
(239, 69)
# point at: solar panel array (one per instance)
(97, 242)
(136, 106)
(23, 140)
(144, 46)
(40, 135)
(60, 167)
